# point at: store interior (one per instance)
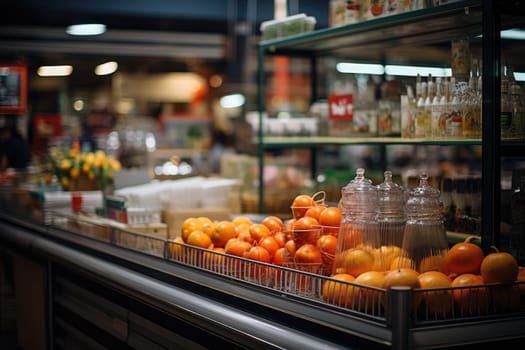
(231, 110)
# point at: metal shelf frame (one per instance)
(428, 26)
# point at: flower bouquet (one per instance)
(83, 171)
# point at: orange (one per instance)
(315, 211)
(356, 261)
(258, 253)
(212, 260)
(222, 232)
(464, 257)
(258, 231)
(521, 279)
(189, 225)
(306, 223)
(370, 300)
(301, 204)
(308, 254)
(401, 277)
(280, 238)
(199, 239)
(238, 220)
(330, 216)
(339, 293)
(274, 223)
(438, 302)
(499, 267)
(327, 244)
(176, 249)
(278, 257)
(270, 244)
(471, 301)
(402, 262)
(236, 247)
(351, 236)
(434, 263)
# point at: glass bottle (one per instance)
(437, 110)
(359, 230)
(506, 107)
(431, 92)
(424, 240)
(391, 218)
(419, 129)
(472, 106)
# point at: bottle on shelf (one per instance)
(419, 130)
(429, 98)
(472, 105)
(454, 125)
(506, 115)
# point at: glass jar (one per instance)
(391, 218)
(358, 239)
(424, 240)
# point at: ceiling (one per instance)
(150, 36)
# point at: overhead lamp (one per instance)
(515, 34)
(106, 68)
(412, 71)
(232, 101)
(55, 71)
(519, 76)
(86, 29)
(360, 68)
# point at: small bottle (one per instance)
(506, 107)
(431, 92)
(437, 110)
(419, 130)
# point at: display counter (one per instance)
(79, 285)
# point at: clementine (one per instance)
(314, 211)
(236, 247)
(471, 301)
(499, 267)
(338, 291)
(370, 300)
(222, 232)
(258, 231)
(270, 244)
(274, 223)
(199, 239)
(441, 301)
(330, 216)
(464, 257)
(356, 261)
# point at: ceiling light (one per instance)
(412, 71)
(515, 34)
(86, 29)
(54, 71)
(519, 76)
(232, 101)
(106, 68)
(360, 68)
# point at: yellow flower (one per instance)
(91, 175)
(86, 167)
(65, 164)
(65, 182)
(74, 172)
(89, 158)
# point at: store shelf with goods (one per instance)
(421, 37)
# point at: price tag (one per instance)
(341, 107)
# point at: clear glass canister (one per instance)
(391, 218)
(424, 240)
(358, 238)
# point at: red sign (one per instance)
(341, 107)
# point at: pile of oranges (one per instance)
(271, 240)
(465, 280)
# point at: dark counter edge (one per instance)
(250, 316)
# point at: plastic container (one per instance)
(424, 240)
(358, 240)
(291, 25)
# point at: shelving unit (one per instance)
(373, 41)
